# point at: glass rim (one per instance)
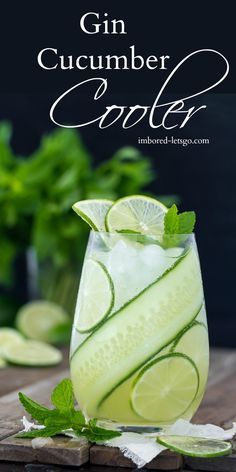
(157, 235)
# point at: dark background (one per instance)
(203, 175)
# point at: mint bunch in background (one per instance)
(36, 195)
(63, 417)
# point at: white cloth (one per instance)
(141, 449)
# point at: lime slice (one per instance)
(138, 214)
(193, 341)
(8, 337)
(93, 212)
(97, 296)
(195, 447)
(37, 319)
(165, 388)
(33, 354)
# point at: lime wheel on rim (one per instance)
(93, 212)
(137, 214)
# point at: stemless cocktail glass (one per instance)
(139, 348)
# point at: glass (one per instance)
(139, 347)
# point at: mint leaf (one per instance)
(177, 226)
(77, 419)
(95, 434)
(63, 421)
(187, 222)
(72, 419)
(171, 220)
(182, 223)
(62, 396)
(40, 433)
(37, 411)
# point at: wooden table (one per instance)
(218, 407)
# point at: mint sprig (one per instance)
(63, 417)
(177, 226)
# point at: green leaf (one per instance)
(187, 222)
(37, 411)
(96, 434)
(62, 396)
(182, 223)
(77, 419)
(58, 419)
(171, 220)
(40, 433)
(177, 226)
(69, 419)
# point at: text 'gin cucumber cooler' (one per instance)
(139, 349)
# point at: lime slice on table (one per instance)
(8, 337)
(98, 296)
(93, 212)
(195, 447)
(165, 388)
(138, 214)
(33, 354)
(37, 319)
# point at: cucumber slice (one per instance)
(134, 334)
(33, 354)
(138, 214)
(93, 212)
(37, 319)
(9, 337)
(165, 388)
(97, 298)
(195, 447)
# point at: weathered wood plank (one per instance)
(222, 365)
(107, 456)
(11, 410)
(219, 464)
(218, 406)
(62, 451)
